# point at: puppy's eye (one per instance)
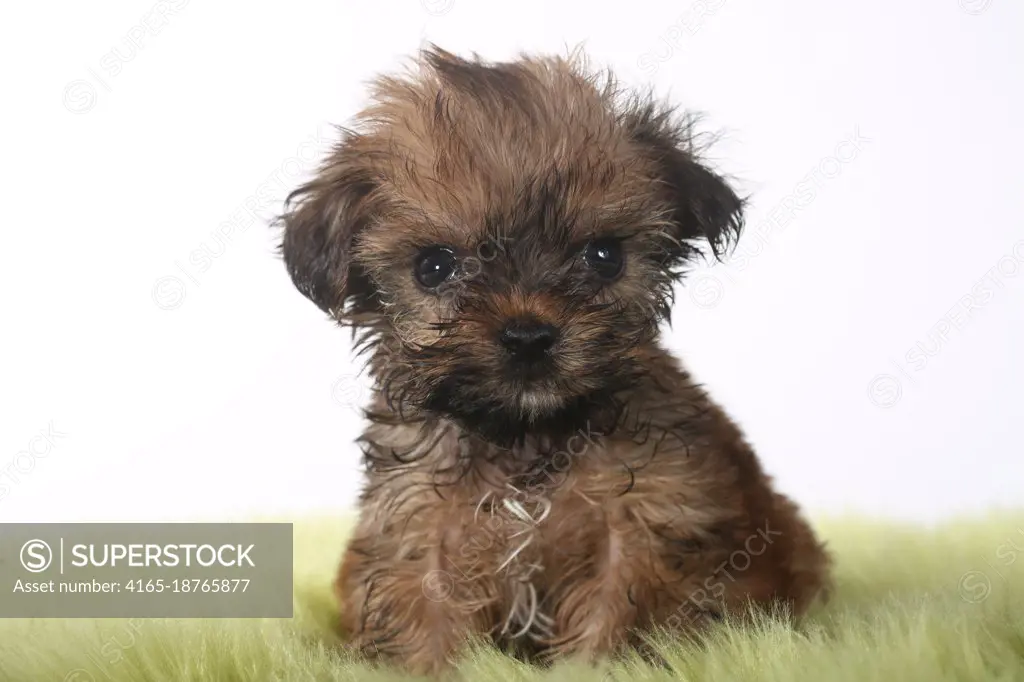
(605, 257)
(434, 265)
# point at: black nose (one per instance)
(528, 339)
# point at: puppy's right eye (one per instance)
(434, 265)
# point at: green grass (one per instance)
(911, 603)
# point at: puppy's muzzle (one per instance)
(528, 340)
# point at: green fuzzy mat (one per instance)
(911, 603)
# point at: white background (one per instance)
(174, 391)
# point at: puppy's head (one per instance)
(508, 234)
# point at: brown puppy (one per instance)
(505, 237)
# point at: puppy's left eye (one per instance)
(434, 265)
(605, 257)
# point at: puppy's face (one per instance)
(509, 235)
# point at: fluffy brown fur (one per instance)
(565, 505)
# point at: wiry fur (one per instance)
(575, 507)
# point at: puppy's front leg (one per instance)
(633, 569)
(409, 597)
(602, 587)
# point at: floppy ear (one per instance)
(321, 220)
(704, 207)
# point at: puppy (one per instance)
(540, 472)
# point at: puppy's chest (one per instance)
(515, 521)
(532, 534)
(524, 534)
